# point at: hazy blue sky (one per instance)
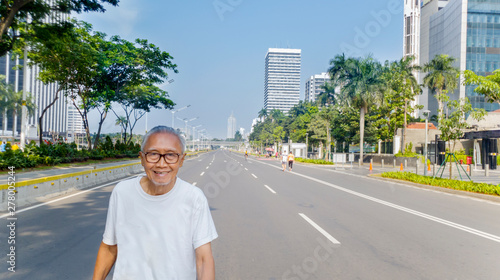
(219, 47)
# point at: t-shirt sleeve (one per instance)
(109, 236)
(203, 225)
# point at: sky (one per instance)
(219, 47)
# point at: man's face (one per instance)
(162, 173)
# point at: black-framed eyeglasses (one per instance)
(154, 157)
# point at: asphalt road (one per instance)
(311, 223)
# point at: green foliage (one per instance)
(55, 153)
(314, 161)
(445, 183)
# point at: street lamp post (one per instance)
(426, 114)
(307, 144)
(194, 127)
(185, 124)
(175, 111)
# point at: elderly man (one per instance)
(158, 226)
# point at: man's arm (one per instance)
(106, 258)
(205, 265)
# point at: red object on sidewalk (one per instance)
(469, 160)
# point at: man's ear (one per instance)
(181, 160)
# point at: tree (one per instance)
(327, 97)
(488, 86)
(263, 114)
(121, 121)
(6, 93)
(72, 60)
(238, 136)
(441, 78)
(136, 101)
(130, 80)
(12, 101)
(452, 127)
(14, 14)
(360, 82)
(401, 88)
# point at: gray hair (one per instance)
(164, 129)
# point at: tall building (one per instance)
(75, 121)
(282, 79)
(43, 94)
(55, 118)
(231, 126)
(314, 86)
(411, 42)
(468, 30)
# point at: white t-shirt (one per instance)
(157, 235)
(284, 158)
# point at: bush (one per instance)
(445, 183)
(314, 161)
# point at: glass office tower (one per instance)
(483, 45)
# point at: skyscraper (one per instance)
(282, 79)
(468, 30)
(43, 94)
(411, 42)
(314, 86)
(231, 126)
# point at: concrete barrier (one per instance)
(35, 190)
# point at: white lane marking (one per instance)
(404, 209)
(207, 167)
(254, 176)
(241, 164)
(194, 184)
(199, 160)
(320, 229)
(225, 161)
(66, 197)
(202, 173)
(246, 169)
(271, 190)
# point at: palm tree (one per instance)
(121, 121)
(263, 114)
(441, 78)
(403, 71)
(361, 83)
(327, 97)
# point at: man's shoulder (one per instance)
(126, 185)
(190, 191)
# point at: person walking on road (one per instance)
(284, 160)
(158, 226)
(291, 159)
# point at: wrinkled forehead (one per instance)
(163, 141)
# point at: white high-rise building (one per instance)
(314, 86)
(282, 79)
(75, 121)
(411, 42)
(54, 119)
(231, 126)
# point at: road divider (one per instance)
(35, 190)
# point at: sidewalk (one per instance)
(29, 175)
(477, 175)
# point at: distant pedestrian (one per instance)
(284, 159)
(291, 159)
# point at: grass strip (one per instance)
(468, 186)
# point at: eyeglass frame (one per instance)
(162, 156)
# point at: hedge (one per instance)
(314, 161)
(445, 183)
